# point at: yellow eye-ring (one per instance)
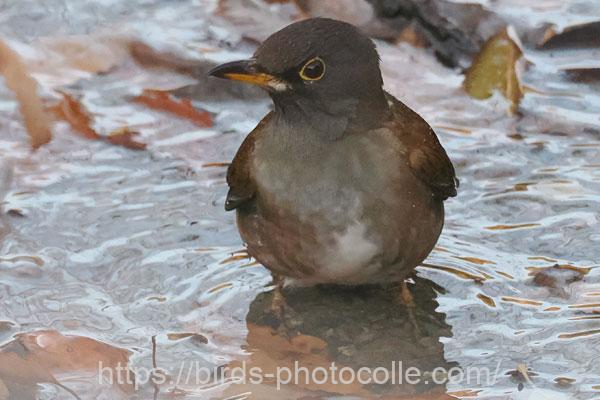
(313, 70)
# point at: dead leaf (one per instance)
(575, 37)
(125, 137)
(162, 100)
(496, 68)
(24, 87)
(46, 356)
(73, 112)
(148, 57)
(94, 55)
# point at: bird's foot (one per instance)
(407, 299)
(279, 309)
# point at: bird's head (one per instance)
(315, 66)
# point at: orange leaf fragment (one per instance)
(148, 57)
(76, 115)
(73, 112)
(161, 100)
(125, 137)
(37, 122)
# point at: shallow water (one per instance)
(120, 246)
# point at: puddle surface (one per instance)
(99, 241)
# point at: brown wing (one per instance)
(425, 155)
(241, 186)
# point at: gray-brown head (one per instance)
(319, 72)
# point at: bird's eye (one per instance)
(313, 70)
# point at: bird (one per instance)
(340, 183)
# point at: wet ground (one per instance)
(134, 250)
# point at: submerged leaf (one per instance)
(73, 112)
(149, 57)
(125, 137)
(162, 100)
(495, 68)
(24, 87)
(49, 356)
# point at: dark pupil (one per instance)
(313, 70)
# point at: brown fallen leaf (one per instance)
(92, 54)
(496, 68)
(125, 137)
(164, 101)
(73, 112)
(149, 57)
(47, 356)
(575, 37)
(17, 79)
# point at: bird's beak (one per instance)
(248, 71)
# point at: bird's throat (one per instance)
(331, 120)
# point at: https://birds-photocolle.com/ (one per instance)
(341, 183)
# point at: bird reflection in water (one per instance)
(350, 328)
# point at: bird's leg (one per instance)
(408, 300)
(279, 309)
(278, 301)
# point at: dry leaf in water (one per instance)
(496, 68)
(163, 101)
(125, 137)
(47, 356)
(73, 112)
(148, 57)
(94, 55)
(24, 87)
